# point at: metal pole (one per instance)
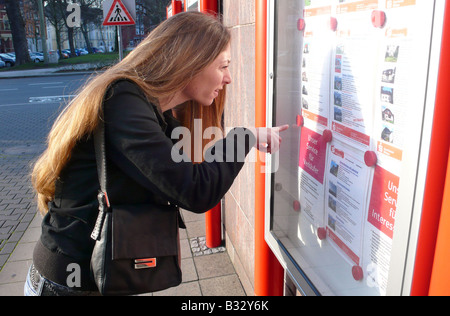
(42, 31)
(119, 35)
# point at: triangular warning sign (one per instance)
(118, 15)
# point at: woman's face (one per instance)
(205, 87)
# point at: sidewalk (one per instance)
(207, 272)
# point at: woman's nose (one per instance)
(227, 78)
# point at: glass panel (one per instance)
(343, 82)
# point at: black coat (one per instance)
(140, 170)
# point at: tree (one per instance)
(91, 13)
(70, 32)
(53, 11)
(17, 30)
(154, 12)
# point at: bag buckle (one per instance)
(103, 199)
(102, 202)
(144, 263)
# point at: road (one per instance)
(28, 108)
(22, 90)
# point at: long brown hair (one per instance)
(164, 63)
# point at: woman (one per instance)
(181, 70)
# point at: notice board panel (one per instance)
(352, 78)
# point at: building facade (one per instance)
(6, 44)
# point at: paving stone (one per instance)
(16, 236)
(3, 259)
(199, 248)
(8, 248)
(229, 285)
(214, 265)
(22, 139)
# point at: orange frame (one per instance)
(431, 273)
(269, 274)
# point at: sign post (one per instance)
(119, 42)
(118, 13)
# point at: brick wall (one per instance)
(239, 219)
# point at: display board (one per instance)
(351, 78)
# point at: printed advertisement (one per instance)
(353, 93)
(396, 84)
(380, 226)
(347, 178)
(315, 66)
(311, 174)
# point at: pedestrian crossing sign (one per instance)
(118, 15)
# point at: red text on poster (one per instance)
(312, 154)
(383, 201)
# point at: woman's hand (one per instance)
(268, 139)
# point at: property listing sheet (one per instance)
(347, 178)
(316, 64)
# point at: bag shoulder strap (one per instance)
(100, 157)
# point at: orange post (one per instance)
(177, 6)
(213, 225)
(213, 218)
(440, 277)
(434, 187)
(208, 6)
(268, 271)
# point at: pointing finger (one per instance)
(282, 128)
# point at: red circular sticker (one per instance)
(357, 273)
(370, 158)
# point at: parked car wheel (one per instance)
(9, 61)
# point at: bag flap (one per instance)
(144, 231)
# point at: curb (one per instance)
(48, 72)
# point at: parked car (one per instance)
(68, 52)
(8, 60)
(81, 51)
(98, 50)
(2, 64)
(12, 55)
(63, 55)
(37, 57)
